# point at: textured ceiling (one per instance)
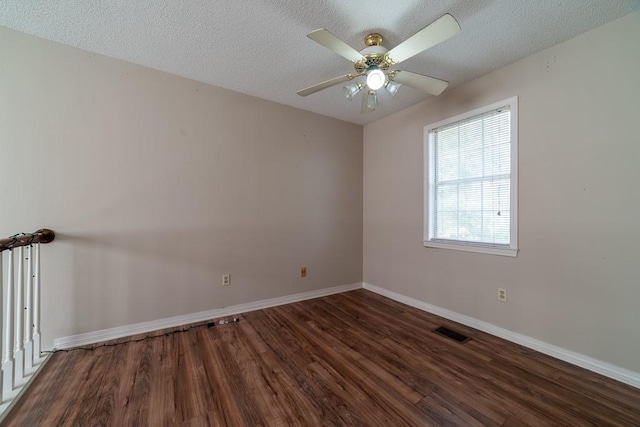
(260, 47)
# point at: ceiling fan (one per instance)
(374, 62)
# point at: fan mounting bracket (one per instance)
(373, 39)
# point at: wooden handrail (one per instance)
(25, 239)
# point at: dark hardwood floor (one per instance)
(349, 359)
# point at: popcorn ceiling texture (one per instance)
(261, 49)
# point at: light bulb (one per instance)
(351, 90)
(375, 79)
(392, 87)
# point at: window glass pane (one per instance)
(447, 198)
(447, 225)
(471, 163)
(502, 228)
(496, 227)
(447, 167)
(470, 226)
(468, 198)
(496, 195)
(497, 159)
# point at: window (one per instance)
(471, 181)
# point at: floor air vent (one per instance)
(456, 336)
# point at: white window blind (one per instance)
(470, 180)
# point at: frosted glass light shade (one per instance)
(392, 87)
(351, 90)
(372, 100)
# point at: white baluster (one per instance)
(28, 314)
(2, 394)
(18, 354)
(7, 361)
(36, 305)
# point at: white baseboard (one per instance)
(612, 371)
(170, 322)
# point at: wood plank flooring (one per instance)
(350, 359)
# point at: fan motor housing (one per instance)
(375, 55)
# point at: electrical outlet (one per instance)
(226, 279)
(502, 295)
(303, 271)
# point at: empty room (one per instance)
(419, 213)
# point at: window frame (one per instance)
(429, 185)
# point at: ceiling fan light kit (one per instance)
(374, 61)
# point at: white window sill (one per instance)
(470, 247)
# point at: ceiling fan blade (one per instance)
(364, 108)
(438, 31)
(324, 85)
(328, 40)
(421, 82)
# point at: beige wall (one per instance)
(576, 280)
(157, 185)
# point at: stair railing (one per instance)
(20, 344)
